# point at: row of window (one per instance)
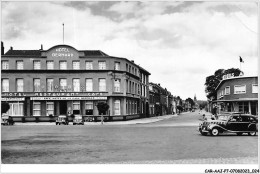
(238, 89)
(17, 108)
(50, 87)
(131, 107)
(132, 70)
(62, 65)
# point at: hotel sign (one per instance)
(62, 52)
(68, 98)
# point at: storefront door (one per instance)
(63, 107)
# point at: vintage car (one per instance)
(62, 119)
(6, 120)
(78, 120)
(230, 122)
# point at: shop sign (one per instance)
(67, 94)
(53, 94)
(68, 98)
(12, 99)
(228, 76)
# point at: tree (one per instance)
(212, 81)
(190, 101)
(180, 108)
(5, 107)
(102, 108)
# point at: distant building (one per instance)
(237, 94)
(161, 100)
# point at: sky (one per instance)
(179, 42)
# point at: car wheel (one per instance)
(251, 133)
(239, 133)
(214, 132)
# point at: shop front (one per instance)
(243, 106)
(53, 104)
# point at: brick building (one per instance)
(63, 80)
(237, 94)
(161, 100)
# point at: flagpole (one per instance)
(63, 32)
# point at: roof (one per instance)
(94, 53)
(142, 69)
(238, 77)
(23, 53)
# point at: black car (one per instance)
(230, 122)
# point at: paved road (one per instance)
(174, 140)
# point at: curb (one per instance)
(129, 122)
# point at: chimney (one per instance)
(11, 48)
(41, 47)
(2, 48)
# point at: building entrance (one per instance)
(63, 107)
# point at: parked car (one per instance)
(89, 119)
(230, 122)
(78, 120)
(62, 119)
(6, 120)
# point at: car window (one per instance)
(245, 118)
(236, 119)
(251, 118)
(223, 117)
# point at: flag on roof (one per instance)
(241, 60)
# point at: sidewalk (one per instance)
(128, 122)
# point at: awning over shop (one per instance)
(237, 100)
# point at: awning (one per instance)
(237, 100)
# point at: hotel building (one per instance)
(63, 80)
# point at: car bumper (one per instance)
(203, 129)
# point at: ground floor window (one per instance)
(117, 107)
(132, 107)
(152, 109)
(89, 108)
(49, 108)
(36, 108)
(243, 107)
(254, 108)
(126, 107)
(16, 109)
(76, 107)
